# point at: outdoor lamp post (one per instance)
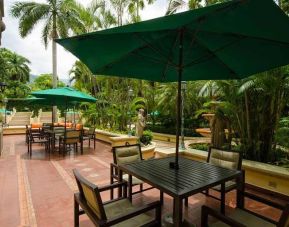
(130, 95)
(183, 87)
(5, 100)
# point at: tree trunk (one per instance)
(218, 132)
(248, 118)
(54, 64)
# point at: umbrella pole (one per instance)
(65, 117)
(175, 165)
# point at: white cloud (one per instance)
(33, 48)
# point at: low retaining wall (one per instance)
(258, 174)
(14, 130)
(114, 139)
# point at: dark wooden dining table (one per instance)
(192, 177)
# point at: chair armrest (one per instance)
(206, 211)
(112, 186)
(113, 165)
(264, 200)
(136, 212)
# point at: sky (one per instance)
(33, 48)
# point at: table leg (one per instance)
(130, 187)
(81, 146)
(240, 189)
(223, 198)
(178, 212)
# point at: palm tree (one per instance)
(58, 17)
(93, 17)
(18, 68)
(176, 5)
(135, 6)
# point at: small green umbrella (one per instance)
(63, 96)
(231, 40)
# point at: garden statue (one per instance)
(140, 124)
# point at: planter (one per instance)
(148, 151)
(114, 139)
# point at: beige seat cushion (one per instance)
(135, 180)
(122, 207)
(244, 218)
(224, 159)
(229, 185)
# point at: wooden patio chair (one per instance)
(35, 138)
(89, 135)
(69, 138)
(242, 217)
(118, 212)
(124, 155)
(225, 159)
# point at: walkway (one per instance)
(38, 192)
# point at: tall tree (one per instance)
(176, 5)
(58, 17)
(18, 67)
(135, 6)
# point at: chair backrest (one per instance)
(90, 194)
(78, 126)
(226, 159)
(47, 125)
(284, 219)
(127, 154)
(91, 131)
(36, 125)
(72, 136)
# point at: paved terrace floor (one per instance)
(39, 192)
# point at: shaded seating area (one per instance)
(117, 212)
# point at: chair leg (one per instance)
(30, 149)
(89, 142)
(187, 201)
(94, 142)
(141, 187)
(76, 214)
(162, 198)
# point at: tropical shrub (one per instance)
(147, 137)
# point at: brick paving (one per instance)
(39, 192)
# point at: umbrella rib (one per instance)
(171, 52)
(147, 44)
(214, 54)
(169, 62)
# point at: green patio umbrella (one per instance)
(63, 96)
(231, 40)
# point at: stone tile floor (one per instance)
(39, 191)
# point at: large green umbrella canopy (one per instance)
(231, 40)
